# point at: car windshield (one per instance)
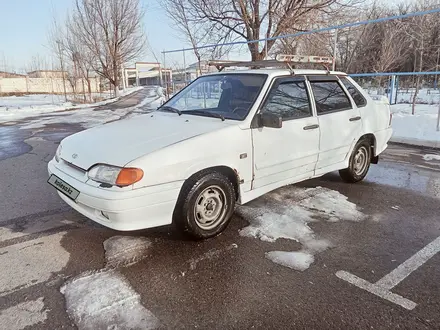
(227, 96)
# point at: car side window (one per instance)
(329, 97)
(357, 97)
(289, 100)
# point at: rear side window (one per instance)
(289, 100)
(329, 97)
(358, 98)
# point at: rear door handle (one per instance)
(306, 128)
(355, 118)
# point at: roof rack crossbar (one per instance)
(281, 60)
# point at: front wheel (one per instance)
(359, 163)
(205, 206)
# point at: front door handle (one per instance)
(355, 118)
(306, 128)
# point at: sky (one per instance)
(24, 26)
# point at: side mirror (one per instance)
(268, 119)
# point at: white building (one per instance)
(147, 73)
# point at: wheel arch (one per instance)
(230, 173)
(372, 141)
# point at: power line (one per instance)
(335, 27)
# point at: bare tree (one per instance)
(36, 63)
(251, 19)
(197, 33)
(419, 31)
(80, 57)
(111, 31)
(55, 38)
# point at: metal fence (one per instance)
(415, 95)
(414, 92)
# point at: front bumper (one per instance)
(122, 210)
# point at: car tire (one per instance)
(359, 163)
(205, 205)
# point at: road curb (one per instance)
(414, 145)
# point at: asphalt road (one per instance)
(225, 282)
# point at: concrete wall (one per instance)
(46, 74)
(44, 85)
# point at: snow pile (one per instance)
(19, 107)
(125, 250)
(88, 118)
(418, 129)
(286, 214)
(429, 157)
(105, 300)
(35, 101)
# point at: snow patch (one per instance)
(418, 129)
(332, 205)
(125, 250)
(294, 260)
(429, 157)
(106, 300)
(88, 118)
(59, 112)
(286, 214)
(14, 106)
(23, 315)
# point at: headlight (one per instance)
(116, 176)
(58, 154)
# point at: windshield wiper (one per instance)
(170, 109)
(205, 113)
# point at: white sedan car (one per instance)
(224, 140)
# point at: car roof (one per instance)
(281, 72)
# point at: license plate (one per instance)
(63, 187)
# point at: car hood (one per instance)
(122, 141)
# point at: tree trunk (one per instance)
(255, 53)
(116, 83)
(199, 64)
(413, 109)
(84, 90)
(89, 88)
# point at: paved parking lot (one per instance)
(318, 255)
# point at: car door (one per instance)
(340, 123)
(286, 154)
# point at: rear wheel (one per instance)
(359, 163)
(205, 205)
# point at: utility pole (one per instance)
(335, 50)
(438, 118)
(436, 67)
(62, 68)
(165, 79)
(184, 68)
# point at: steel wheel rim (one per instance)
(360, 161)
(210, 207)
